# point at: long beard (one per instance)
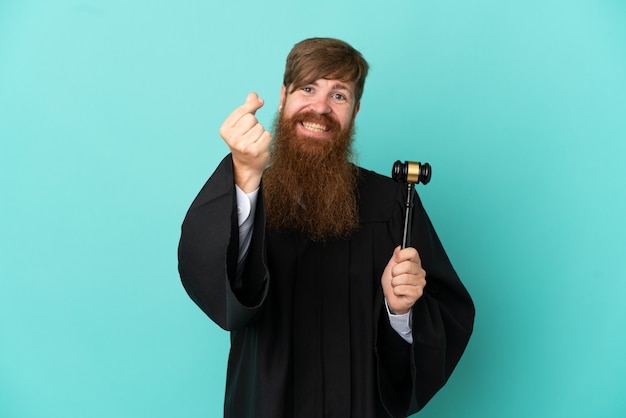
(310, 185)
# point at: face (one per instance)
(310, 184)
(325, 106)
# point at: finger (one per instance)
(246, 124)
(251, 97)
(265, 139)
(253, 134)
(253, 103)
(250, 106)
(254, 144)
(247, 130)
(408, 280)
(405, 291)
(407, 267)
(405, 254)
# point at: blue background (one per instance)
(109, 118)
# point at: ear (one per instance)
(283, 97)
(356, 109)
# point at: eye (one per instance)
(340, 97)
(307, 89)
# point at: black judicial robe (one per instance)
(310, 336)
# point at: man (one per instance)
(329, 317)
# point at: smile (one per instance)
(314, 127)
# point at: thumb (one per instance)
(253, 102)
(396, 254)
(394, 259)
(252, 97)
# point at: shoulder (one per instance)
(378, 196)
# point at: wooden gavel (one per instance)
(410, 173)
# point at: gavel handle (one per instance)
(408, 216)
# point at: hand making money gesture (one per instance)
(248, 142)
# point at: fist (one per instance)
(403, 280)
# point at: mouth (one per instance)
(315, 127)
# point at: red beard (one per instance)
(310, 186)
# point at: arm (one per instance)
(422, 280)
(443, 317)
(209, 250)
(246, 209)
(209, 245)
(403, 281)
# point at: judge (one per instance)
(295, 250)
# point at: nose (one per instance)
(320, 105)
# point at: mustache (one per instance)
(323, 119)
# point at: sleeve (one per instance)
(441, 321)
(246, 208)
(208, 254)
(401, 323)
(443, 317)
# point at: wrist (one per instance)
(247, 180)
(397, 312)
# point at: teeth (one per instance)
(314, 127)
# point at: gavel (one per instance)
(410, 173)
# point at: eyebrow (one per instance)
(336, 86)
(340, 86)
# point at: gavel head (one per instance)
(411, 172)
